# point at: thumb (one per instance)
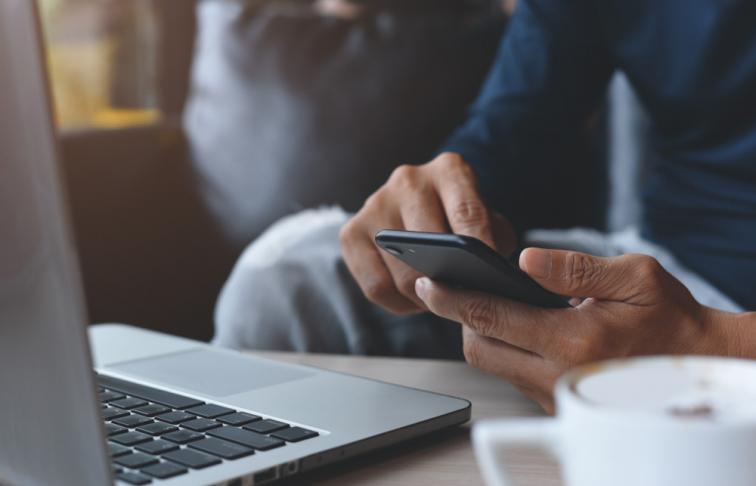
(577, 274)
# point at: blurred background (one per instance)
(187, 127)
(102, 60)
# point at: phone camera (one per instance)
(394, 251)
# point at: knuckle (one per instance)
(453, 165)
(649, 269)
(580, 270)
(469, 212)
(403, 175)
(481, 314)
(457, 166)
(449, 160)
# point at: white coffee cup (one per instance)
(656, 421)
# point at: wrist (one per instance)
(730, 334)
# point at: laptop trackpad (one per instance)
(210, 372)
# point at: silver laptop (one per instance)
(158, 409)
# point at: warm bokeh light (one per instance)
(101, 57)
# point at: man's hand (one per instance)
(439, 196)
(631, 306)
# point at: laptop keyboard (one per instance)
(154, 434)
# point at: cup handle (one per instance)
(491, 438)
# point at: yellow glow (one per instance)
(82, 74)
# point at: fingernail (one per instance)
(422, 286)
(536, 262)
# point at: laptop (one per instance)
(113, 403)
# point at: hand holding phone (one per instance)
(465, 262)
(441, 195)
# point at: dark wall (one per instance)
(149, 254)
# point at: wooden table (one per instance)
(444, 458)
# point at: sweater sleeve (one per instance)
(549, 75)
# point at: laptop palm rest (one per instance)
(209, 372)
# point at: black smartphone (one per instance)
(465, 262)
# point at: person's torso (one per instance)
(693, 64)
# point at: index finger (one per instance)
(368, 268)
(466, 212)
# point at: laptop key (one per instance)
(168, 399)
(247, 438)
(157, 428)
(112, 429)
(133, 478)
(132, 421)
(157, 447)
(128, 403)
(266, 426)
(117, 450)
(175, 417)
(183, 436)
(294, 434)
(222, 448)
(111, 413)
(130, 438)
(238, 418)
(164, 470)
(192, 459)
(209, 410)
(200, 425)
(109, 396)
(151, 410)
(135, 460)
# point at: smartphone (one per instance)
(467, 263)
